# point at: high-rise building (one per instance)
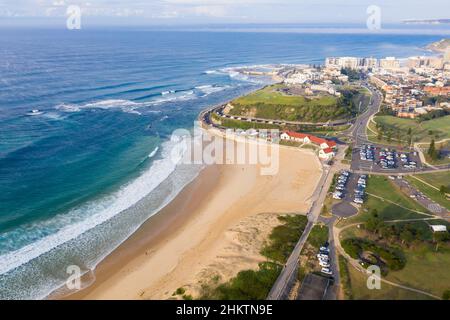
(447, 55)
(389, 63)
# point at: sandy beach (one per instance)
(214, 228)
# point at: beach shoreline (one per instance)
(195, 234)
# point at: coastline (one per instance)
(191, 235)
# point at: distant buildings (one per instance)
(407, 89)
(351, 63)
(389, 63)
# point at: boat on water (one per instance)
(35, 112)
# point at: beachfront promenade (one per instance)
(288, 275)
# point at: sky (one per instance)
(155, 12)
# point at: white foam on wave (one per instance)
(174, 96)
(69, 226)
(124, 105)
(153, 153)
(210, 89)
(237, 74)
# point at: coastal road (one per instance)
(288, 275)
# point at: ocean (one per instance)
(82, 174)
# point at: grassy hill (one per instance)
(271, 103)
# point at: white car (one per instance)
(322, 256)
(324, 264)
(358, 200)
(326, 271)
(324, 249)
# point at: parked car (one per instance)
(326, 271)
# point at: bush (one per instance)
(249, 284)
(283, 238)
(393, 258)
(446, 295)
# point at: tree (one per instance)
(432, 152)
(374, 222)
(440, 237)
(446, 295)
(406, 236)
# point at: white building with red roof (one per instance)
(327, 147)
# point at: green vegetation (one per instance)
(432, 152)
(348, 153)
(352, 74)
(439, 193)
(346, 281)
(318, 236)
(248, 284)
(244, 125)
(290, 143)
(373, 253)
(446, 295)
(406, 131)
(283, 238)
(393, 205)
(426, 269)
(425, 255)
(308, 262)
(179, 292)
(360, 291)
(256, 284)
(271, 103)
(437, 178)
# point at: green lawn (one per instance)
(439, 127)
(432, 193)
(359, 289)
(437, 179)
(383, 187)
(425, 269)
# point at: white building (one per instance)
(439, 228)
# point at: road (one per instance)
(288, 275)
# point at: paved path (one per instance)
(283, 284)
(358, 267)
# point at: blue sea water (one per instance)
(77, 179)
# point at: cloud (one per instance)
(287, 11)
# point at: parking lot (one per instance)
(373, 158)
(425, 201)
(350, 188)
